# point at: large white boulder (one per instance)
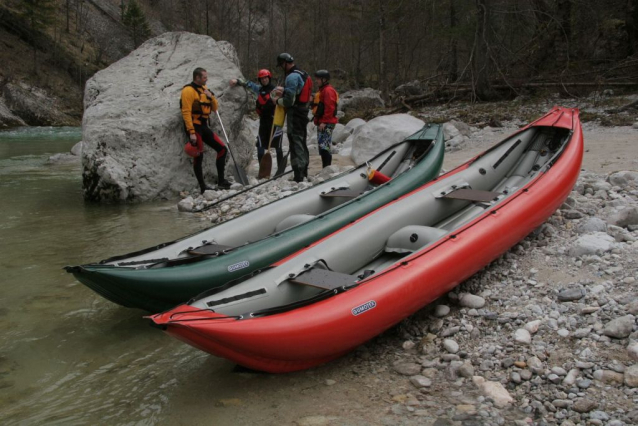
(132, 127)
(354, 124)
(338, 134)
(380, 133)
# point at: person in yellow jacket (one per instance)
(197, 103)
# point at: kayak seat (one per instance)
(324, 278)
(294, 220)
(209, 249)
(343, 193)
(412, 238)
(472, 195)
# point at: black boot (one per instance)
(199, 174)
(298, 175)
(222, 183)
(326, 158)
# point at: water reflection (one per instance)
(66, 355)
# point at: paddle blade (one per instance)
(240, 175)
(265, 166)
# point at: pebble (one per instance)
(599, 415)
(559, 370)
(608, 377)
(535, 364)
(563, 332)
(407, 368)
(526, 375)
(451, 346)
(584, 405)
(494, 390)
(584, 384)
(582, 332)
(515, 377)
(466, 370)
(571, 294)
(533, 326)
(441, 311)
(632, 350)
(451, 331)
(471, 301)
(554, 378)
(409, 345)
(631, 376)
(571, 377)
(522, 336)
(420, 381)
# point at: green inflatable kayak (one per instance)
(160, 277)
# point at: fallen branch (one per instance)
(623, 108)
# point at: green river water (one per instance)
(69, 357)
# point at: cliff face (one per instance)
(46, 87)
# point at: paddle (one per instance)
(265, 165)
(238, 173)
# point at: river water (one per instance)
(67, 356)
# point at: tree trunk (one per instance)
(453, 64)
(481, 61)
(207, 18)
(68, 14)
(383, 86)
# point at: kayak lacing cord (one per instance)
(199, 319)
(280, 309)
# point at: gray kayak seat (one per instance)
(294, 220)
(324, 279)
(412, 238)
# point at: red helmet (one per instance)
(194, 150)
(264, 73)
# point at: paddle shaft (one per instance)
(239, 174)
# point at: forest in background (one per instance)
(442, 49)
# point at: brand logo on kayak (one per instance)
(363, 308)
(238, 266)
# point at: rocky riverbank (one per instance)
(545, 335)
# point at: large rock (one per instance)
(619, 328)
(624, 178)
(132, 128)
(381, 132)
(360, 100)
(338, 134)
(596, 243)
(354, 124)
(7, 118)
(625, 217)
(590, 225)
(33, 106)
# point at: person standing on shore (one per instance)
(295, 96)
(197, 103)
(265, 108)
(325, 115)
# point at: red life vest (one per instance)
(263, 104)
(306, 92)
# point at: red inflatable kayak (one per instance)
(341, 291)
